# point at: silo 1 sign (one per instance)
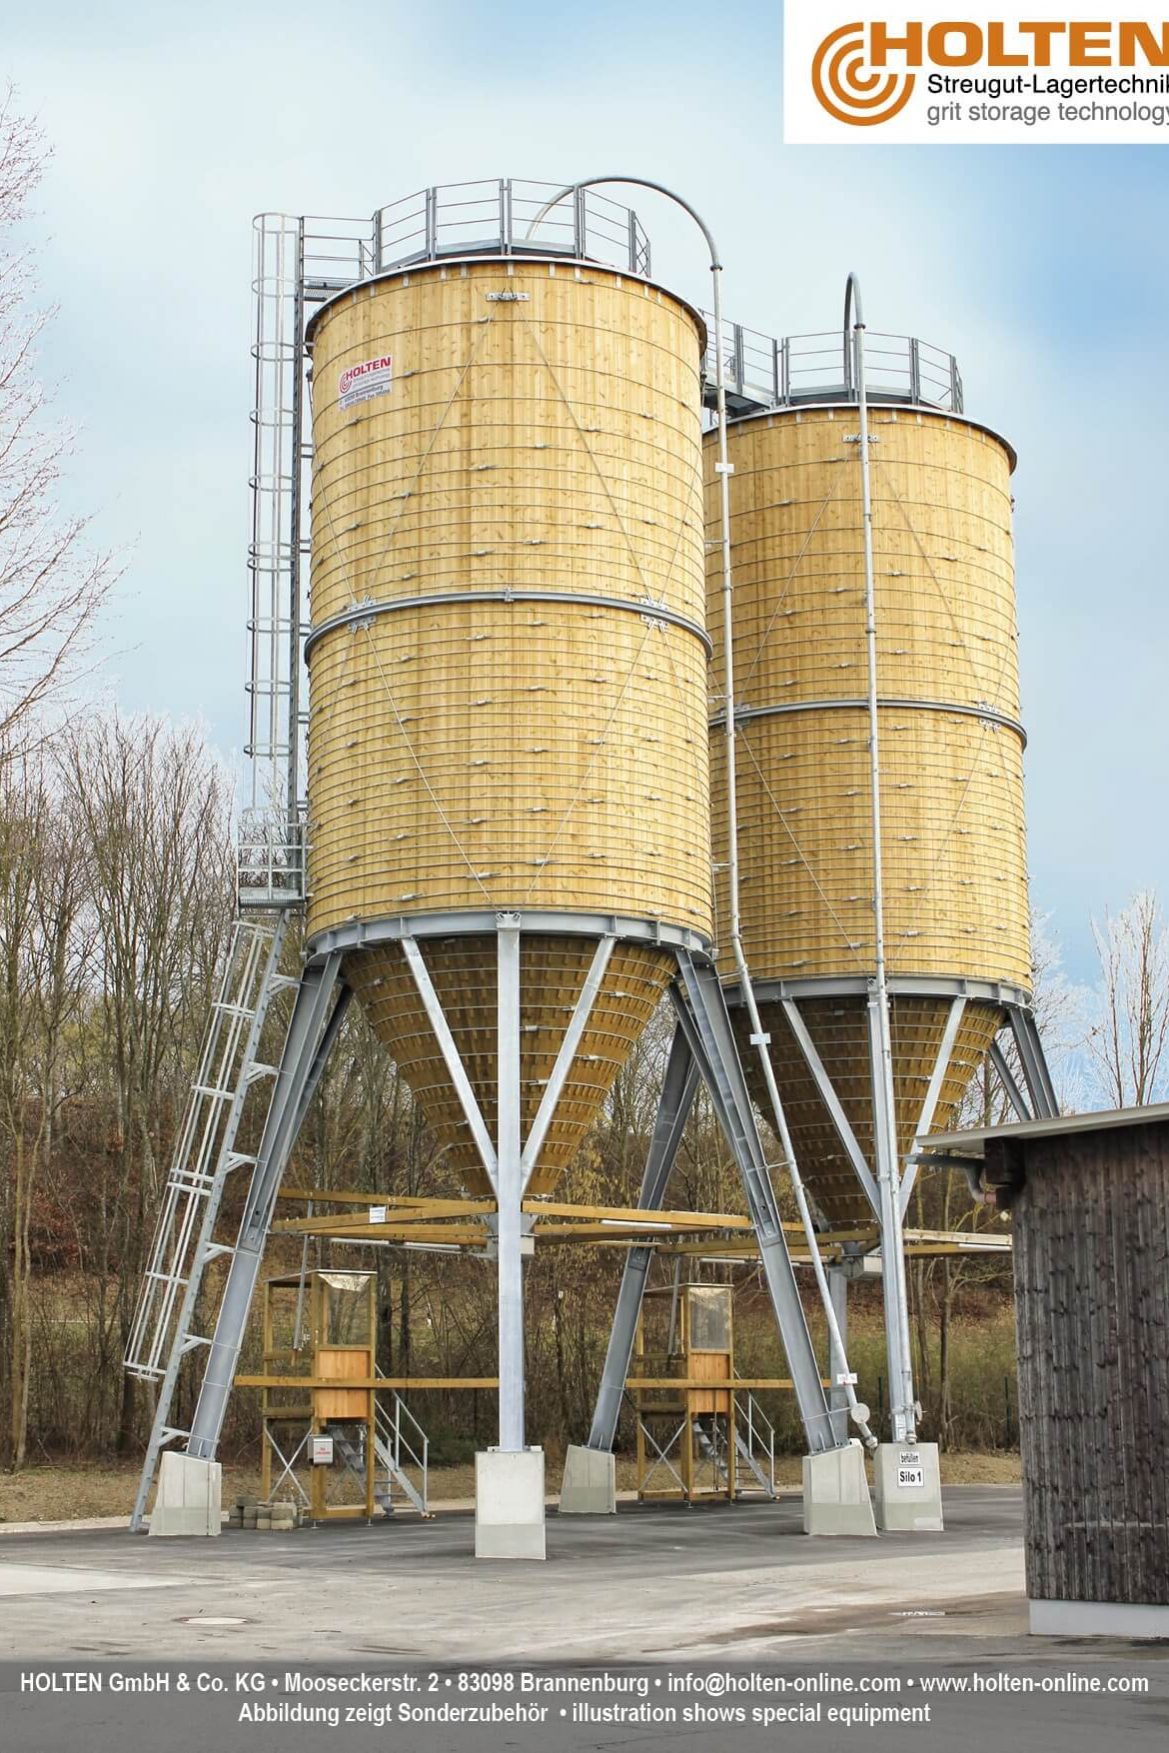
(360, 383)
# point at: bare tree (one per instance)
(152, 806)
(42, 958)
(1127, 1043)
(51, 585)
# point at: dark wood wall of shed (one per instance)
(1092, 1310)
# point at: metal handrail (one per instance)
(494, 216)
(771, 372)
(754, 1417)
(389, 1429)
(271, 854)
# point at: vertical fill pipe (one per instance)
(902, 1407)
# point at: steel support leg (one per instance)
(1037, 1077)
(677, 1099)
(702, 1013)
(901, 1398)
(838, 1290)
(1006, 1077)
(508, 1147)
(309, 1035)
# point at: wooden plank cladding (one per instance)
(509, 755)
(1091, 1252)
(953, 846)
(541, 433)
(508, 662)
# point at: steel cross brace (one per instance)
(677, 1099)
(932, 1096)
(1007, 1078)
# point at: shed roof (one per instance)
(972, 1142)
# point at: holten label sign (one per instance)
(360, 383)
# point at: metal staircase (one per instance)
(205, 1154)
(754, 1459)
(400, 1443)
(754, 1449)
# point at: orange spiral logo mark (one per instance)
(846, 90)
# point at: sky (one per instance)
(1043, 269)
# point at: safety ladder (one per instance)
(204, 1156)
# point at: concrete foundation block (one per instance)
(836, 1493)
(589, 1487)
(1127, 1619)
(509, 1503)
(189, 1496)
(907, 1488)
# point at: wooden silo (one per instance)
(508, 665)
(953, 843)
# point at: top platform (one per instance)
(496, 216)
(794, 371)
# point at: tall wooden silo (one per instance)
(507, 667)
(876, 679)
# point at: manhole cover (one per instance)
(921, 1613)
(210, 1619)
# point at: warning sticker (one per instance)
(360, 383)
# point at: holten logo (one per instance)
(846, 85)
(864, 73)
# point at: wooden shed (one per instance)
(1089, 1200)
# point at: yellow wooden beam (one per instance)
(399, 1382)
(393, 1201)
(657, 1383)
(637, 1214)
(424, 1212)
(462, 1235)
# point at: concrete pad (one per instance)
(75, 1524)
(1098, 1619)
(836, 1493)
(655, 1582)
(189, 1496)
(907, 1488)
(60, 1579)
(509, 1503)
(589, 1486)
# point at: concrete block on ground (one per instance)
(836, 1493)
(1098, 1619)
(189, 1496)
(589, 1487)
(907, 1488)
(509, 1503)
